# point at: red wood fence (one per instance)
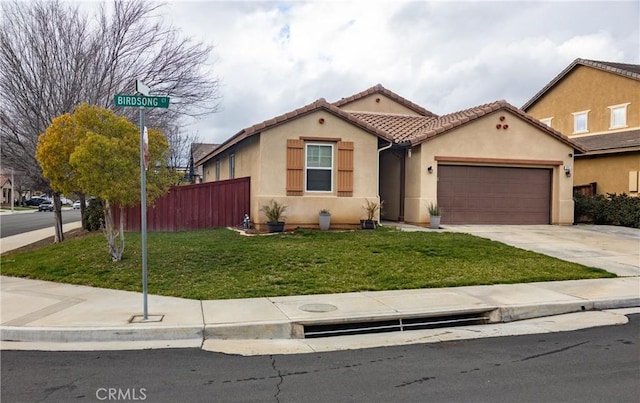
(205, 205)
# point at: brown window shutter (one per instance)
(345, 168)
(295, 167)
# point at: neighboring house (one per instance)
(198, 150)
(7, 189)
(597, 104)
(491, 164)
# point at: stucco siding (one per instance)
(587, 88)
(378, 103)
(610, 172)
(303, 210)
(480, 143)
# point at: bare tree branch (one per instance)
(54, 57)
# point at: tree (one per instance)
(180, 154)
(54, 57)
(96, 152)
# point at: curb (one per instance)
(281, 330)
(99, 334)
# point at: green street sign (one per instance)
(141, 101)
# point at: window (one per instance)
(618, 116)
(232, 166)
(580, 122)
(319, 168)
(217, 170)
(546, 121)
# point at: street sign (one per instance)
(138, 100)
(142, 88)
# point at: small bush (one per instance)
(94, 215)
(611, 209)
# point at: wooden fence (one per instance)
(204, 205)
(586, 190)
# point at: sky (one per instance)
(273, 57)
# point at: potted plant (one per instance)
(371, 208)
(324, 219)
(435, 213)
(275, 215)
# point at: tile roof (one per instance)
(624, 69)
(397, 128)
(445, 123)
(400, 127)
(610, 142)
(379, 89)
(320, 104)
(199, 150)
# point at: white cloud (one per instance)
(277, 56)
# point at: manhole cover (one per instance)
(318, 308)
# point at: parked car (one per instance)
(45, 206)
(76, 205)
(35, 201)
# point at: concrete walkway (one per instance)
(44, 315)
(615, 249)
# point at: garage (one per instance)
(494, 195)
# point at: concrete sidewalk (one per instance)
(13, 242)
(44, 315)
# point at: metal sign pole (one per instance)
(143, 216)
(143, 100)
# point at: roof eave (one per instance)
(619, 150)
(583, 62)
(318, 105)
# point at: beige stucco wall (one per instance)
(378, 103)
(610, 172)
(480, 139)
(586, 88)
(303, 210)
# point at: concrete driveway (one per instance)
(615, 249)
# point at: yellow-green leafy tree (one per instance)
(105, 162)
(54, 148)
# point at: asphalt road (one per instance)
(592, 365)
(17, 223)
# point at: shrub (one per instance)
(611, 209)
(94, 215)
(274, 211)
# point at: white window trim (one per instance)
(547, 121)
(586, 123)
(306, 148)
(626, 109)
(232, 166)
(217, 164)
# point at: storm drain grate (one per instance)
(394, 325)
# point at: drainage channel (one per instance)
(394, 325)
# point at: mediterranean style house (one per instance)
(491, 164)
(597, 105)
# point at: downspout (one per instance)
(378, 171)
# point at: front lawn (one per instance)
(220, 263)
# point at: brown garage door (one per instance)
(494, 195)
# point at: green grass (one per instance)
(220, 263)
